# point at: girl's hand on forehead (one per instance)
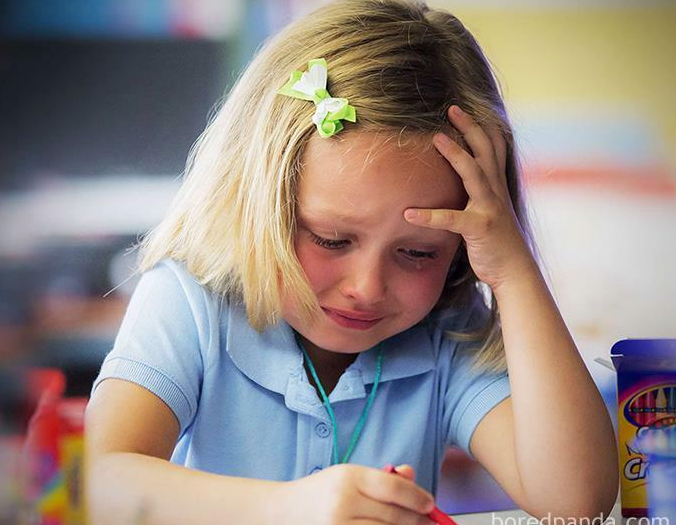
(496, 245)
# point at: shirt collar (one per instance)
(272, 357)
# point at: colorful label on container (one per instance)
(646, 393)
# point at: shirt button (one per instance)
(322, 430)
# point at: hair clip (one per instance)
(311, 85)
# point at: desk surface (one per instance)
(518, 517)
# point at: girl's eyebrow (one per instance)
(331, 215)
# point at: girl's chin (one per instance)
(344, 344)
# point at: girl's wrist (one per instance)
(261, 501)
(522, 276)
(274, 503)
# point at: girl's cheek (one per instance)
(318, 266)
(423, 287)
(426, 283)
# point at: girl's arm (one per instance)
(557, 429)
(130, 435)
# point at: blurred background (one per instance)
(101, 100)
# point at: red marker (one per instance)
(436, 515)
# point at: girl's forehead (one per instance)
(375, 170)
(353, 146)
(355, 154)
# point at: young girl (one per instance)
(343, 283)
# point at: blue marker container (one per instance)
(659, 447)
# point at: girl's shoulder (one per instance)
(171, 284)
(172, 271)
(169, 273)
(173, 275)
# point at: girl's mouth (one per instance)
(348, 322)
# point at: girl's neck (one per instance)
(328, 365)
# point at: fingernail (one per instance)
(456, 111)
(411, 214)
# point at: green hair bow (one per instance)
(311, 85)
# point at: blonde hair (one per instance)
(401, 65)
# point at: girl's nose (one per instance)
(365, 282)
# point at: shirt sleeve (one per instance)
(470, 394)
(160, 342)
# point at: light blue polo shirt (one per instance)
(244, 402)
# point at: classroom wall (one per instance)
(613, 58)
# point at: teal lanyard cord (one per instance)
(362, 421)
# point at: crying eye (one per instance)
(329, 244)
(416, 254)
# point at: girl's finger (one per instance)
(397, 490)
(371, 509)
(500, 147)
(473, 178)
(440, 219)
(479, 142)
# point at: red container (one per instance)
(41, 448)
